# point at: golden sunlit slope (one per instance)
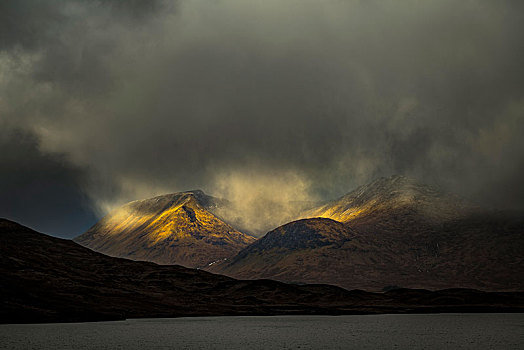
(177, 228)
(390, 195)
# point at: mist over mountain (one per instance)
(393, 231)
(308, 98)
(395, 193)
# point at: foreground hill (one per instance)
(391, 233)
(177, 228)
(46, 279)
(294, 252)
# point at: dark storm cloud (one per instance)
(46, 64)
(272, 99)
(25, 24)
(32, 24)
(42, 190)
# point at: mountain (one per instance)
(391, 233)
(47, 279)
(293, 252)
(177, 228)
(399, 197)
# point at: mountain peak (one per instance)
(177, 228)
(395, 182)
(391, 194)
(394, 186)
(307, 233)
(200, 195)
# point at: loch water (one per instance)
(427, 331)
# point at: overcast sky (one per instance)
(102, 102)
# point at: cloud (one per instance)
(173, 96)
(261, 199)
(42, 190)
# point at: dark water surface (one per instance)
(437, 331)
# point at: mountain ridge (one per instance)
(392, 193)
(177, 228)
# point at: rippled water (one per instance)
(438, 331)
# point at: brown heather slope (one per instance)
(403, 234)
(47, 279)
(177, 228)
(290, 252)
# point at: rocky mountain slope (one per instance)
(178, 228)
(47, 279)
(391, 233)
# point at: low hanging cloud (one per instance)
(240, 98)
(261, 199)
